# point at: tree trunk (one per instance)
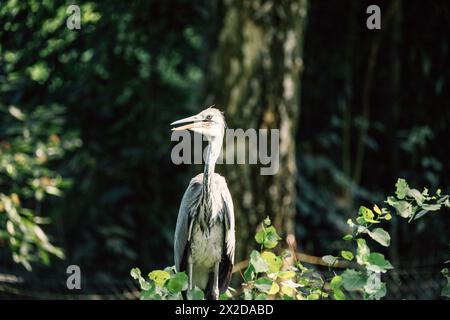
(255, 74)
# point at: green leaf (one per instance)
(248, 295)
(362, 251)
(347, 255)
(361, 220)
(271, 238)
(392, 201)
(261, 296)
(403, 208)
(380, 293)
(274, 262)
(150, 293)
(374, 288)
(313, 296)
(135, 273)
(388, 216)
(178, 282)
(170, 270)
(259, 237)
(329, 259)
(258, 263)
(195, 294)
(338, 294)
(420, 214)
(39, 72)
(402, 188)
(249, 273)
(366, 213)
(376, 209)
(348, 237)
(336, 282)
(263, 284)
(373, 284)
(224, 296)
(414, 193)
(159, 276)
(267, 221)
(268, 237)
(274, 289)
(380, 236)
(353, 280)
(286, 275)
(378, 263)
(350, 223)
(431, 207)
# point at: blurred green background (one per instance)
(85, 135)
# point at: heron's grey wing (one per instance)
(183, 227)
(226, 265)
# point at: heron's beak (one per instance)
(196, 121)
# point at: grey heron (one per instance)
(204, 239)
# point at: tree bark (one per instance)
(255, 74)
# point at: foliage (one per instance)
(370, 265)
(272, 276)
(29, 144)
(412, 204)
(409, 204)
(268, 276)
(120, 80)
(165, 285)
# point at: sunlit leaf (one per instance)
(336, 282)
(273, 261)
(381, 236)
(348, 237)
(376, 209)
(329, 259)
(378, 260)
(347, 255)
(313, 296)
(274, 289)
(402, 188)
(353, 280)
(195, 294)
(159, 276)
(286, 275)
(258, 263)
(178, 282)
(362, 251)
(263, 284)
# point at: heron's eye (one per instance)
(208, 117)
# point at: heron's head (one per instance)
(210, 123)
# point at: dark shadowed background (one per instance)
(85, 135)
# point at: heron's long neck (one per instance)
(212, 154)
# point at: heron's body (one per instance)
(204, 236)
